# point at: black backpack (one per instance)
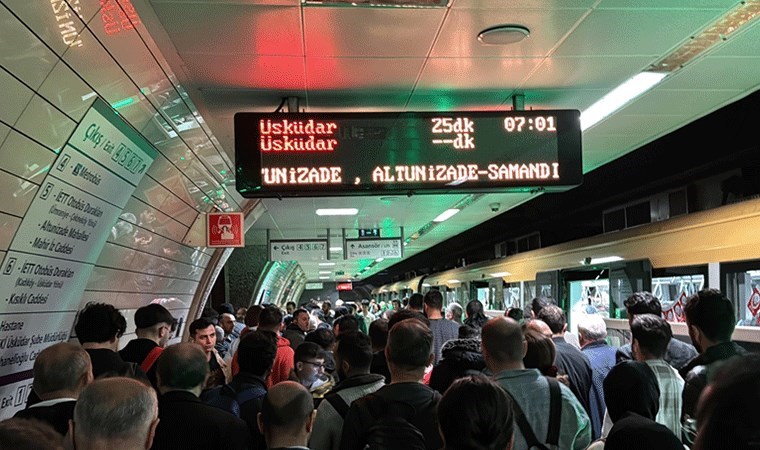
(228, 399)
(393, 428)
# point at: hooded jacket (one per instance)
(460, 357)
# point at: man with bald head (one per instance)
(186, 422)
(61, 371)
(287, 416)
(540, 326)
(118, 413)
(504, 347)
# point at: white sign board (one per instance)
(50, 260)
(298, 250)
(373, 248)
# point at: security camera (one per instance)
(494, 206)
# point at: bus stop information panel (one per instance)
(302, 154)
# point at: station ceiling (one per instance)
(246, 55)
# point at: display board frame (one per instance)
(337, 143)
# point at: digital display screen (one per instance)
(313, 154)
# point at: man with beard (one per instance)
(353, 357)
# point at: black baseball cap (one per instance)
(149, 315)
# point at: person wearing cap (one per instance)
(155, 326)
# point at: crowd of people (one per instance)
(407, 375)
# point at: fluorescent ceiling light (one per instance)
(499, 274)
(446, 215)
(324, 278)
(603, 260)
(336, 249)
(619, 97)
(425, 284)
(337, 212)
(453, 281)
(327, 264)
(323, 272)
(379, 259)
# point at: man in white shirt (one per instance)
(651, 335)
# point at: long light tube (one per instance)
(446, 215)
(337, 212)
(619, 97)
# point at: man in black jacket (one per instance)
(61, 371)
(710, 318)
(99, 327)
(296, 330)
(256, 354)
(287, 416)
(186, 422)
(155, 325)
(409, 352)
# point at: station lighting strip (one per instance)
(715, 33)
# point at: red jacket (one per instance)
(283, 363)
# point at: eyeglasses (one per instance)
(317, 365)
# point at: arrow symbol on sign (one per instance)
(275, 247)
(353, 246)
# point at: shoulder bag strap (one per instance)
(337, 402)
(525, 428)
(555, 411)
(151, 358)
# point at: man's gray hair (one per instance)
(115, 409)
(593, 327)
(60, 367)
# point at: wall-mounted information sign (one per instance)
(225, 229)
(344, 286)
(55, 249)
(424, 152)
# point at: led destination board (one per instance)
(421, 152)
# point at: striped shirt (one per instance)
(671, 388)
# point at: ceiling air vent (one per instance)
(380, 3)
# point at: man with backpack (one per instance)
(185, 422)
(244, 395)
(547, 413)
(155, 326)
(353, 357)
(402, 414)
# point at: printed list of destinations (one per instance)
(45, 272)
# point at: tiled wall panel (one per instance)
(48, 82)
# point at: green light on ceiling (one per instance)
(223, 172)
(444, 103)
(122, 103)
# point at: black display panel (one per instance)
(300, 154)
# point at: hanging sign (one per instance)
(373, 248)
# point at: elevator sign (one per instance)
(225, 230)
(406, 152)
(373, 248)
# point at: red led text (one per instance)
(289, 135)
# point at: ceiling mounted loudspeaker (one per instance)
(503, 35)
